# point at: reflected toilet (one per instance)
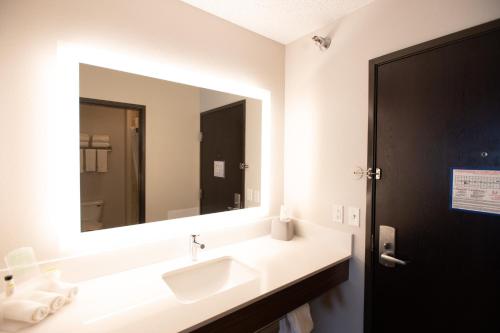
(91, 215)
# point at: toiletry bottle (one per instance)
(10, 286)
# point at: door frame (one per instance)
(243, 102)
(142, 144)
(374, 64)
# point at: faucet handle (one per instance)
(202, 246)
(194, 246)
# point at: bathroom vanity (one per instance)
(192, 154)
(276, 304)
(238, 287)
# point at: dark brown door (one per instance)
(436, 111)
(222, 150)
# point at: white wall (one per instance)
(326, 120)
(169, 31)
(210, 99)
(172, 127)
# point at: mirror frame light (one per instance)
(64, 134)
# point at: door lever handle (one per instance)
(387, 247)
(393, 260)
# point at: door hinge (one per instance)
(369, 173)
(243, 166)
(371, 243)
(200, 136)
(377, 173)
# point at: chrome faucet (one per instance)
(194, 245)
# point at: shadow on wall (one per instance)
(329, 299)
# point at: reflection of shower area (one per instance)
(111, 196)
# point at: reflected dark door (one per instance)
(437, 108)
(222, 150)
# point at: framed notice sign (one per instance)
(476, 190)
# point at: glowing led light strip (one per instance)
(64, 134)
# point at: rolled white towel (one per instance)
(25, 311)
(54, 301)
(69, 290)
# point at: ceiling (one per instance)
(281, 20)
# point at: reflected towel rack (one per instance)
(102, 148)
(110, 149)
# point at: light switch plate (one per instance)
(338, 214)
(249, 195)
(354, 218)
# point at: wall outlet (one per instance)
(354, 217)
(249, 195)
(256, 196)
(338, 214)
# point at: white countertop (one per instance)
(138, 300)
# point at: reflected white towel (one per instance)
(25, 311)
(84, 140)
(100, 138)
(101, 144)
(53, 300)
(297, 321)
(69, 290)
(81, 161)
(90, 160)
(102, 160)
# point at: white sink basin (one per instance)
(199, 281)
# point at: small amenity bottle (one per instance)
(10, 285)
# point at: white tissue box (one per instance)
(282, 229)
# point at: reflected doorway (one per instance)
(222, 158)
(111, 164)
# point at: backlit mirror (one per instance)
(154, 150)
